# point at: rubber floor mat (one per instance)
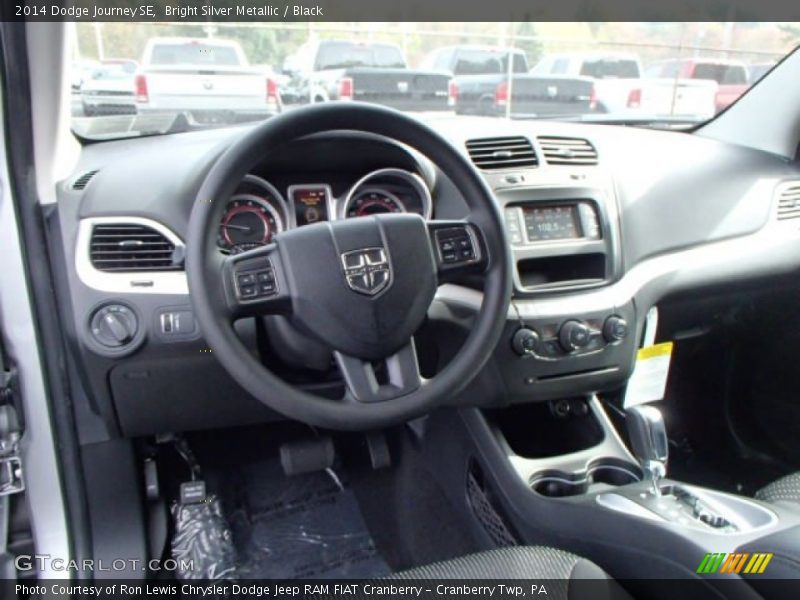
(297, 527)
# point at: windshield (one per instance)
(172, 77)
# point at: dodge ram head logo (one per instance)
(367, 271)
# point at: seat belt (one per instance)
(11, 481)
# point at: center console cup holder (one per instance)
(600, 474)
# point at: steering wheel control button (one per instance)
(114, 326)
(456, 246)
(246, 279)
(256, 283)
(525, 342)
(615, 329)
(574, 336)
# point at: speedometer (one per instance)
(373, 202)
(249, 221)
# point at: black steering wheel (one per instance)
(360, 286)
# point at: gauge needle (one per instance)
(239, 227)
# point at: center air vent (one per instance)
(789, 203)
(128, 247)
(502, 153)
(567, 151)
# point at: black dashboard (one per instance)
(603, 223)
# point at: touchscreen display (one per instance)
(310, 204)
(551, 223)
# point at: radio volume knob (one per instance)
(525, 341)
(615, 329)
(574, 335)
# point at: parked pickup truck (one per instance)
(620, 89)
(209, 79)
(325, 70)
(481, 84)
(731, 76)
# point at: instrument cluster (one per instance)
(257, 211)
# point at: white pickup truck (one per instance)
(207, 79)
(620, 89)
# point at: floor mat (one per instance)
(301, 527)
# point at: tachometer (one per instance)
(249, 221)
(373, 201)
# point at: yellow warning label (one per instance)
(663, 349)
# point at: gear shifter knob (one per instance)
(649, 440)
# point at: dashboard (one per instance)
(603, 222)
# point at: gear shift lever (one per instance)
(649, 440)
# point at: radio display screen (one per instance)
(552, 223)
(310, 204)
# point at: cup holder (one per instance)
(600, 473)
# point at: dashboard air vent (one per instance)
(789, 203)
(502, 153)
(82, 181)
(568, 151)
(128, 247)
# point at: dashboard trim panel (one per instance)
(150, 282)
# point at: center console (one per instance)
(568, 479)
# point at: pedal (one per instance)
(307, 456)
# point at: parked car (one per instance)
(482, 86)
(731, 76)
(110, 89)
(619, 87)
(325, 70)
(80, 71)
(615, 75)
(210, 79)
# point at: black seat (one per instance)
(786, 489)
(564, 575)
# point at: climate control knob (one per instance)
(574, 335)
(525, 341)
(615, 329)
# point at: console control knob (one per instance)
(615, 329)
(574, 335)
(525, 341)
(114, 325)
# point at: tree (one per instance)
(532, 46)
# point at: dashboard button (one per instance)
(574, 335)
(615, 329)
(246, 279)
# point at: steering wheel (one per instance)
(360, 286)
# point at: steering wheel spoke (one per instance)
(255, 283)
(459, 249)
(395, 376)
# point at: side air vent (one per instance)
(82, 181)
(789, 203)
(127, 247)
(502, 153)
(567, 151)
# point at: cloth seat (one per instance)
(783, 489)
(563, 574)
